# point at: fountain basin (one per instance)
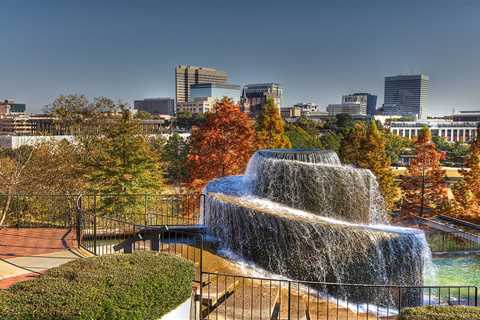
(315, 181)
(302, 245)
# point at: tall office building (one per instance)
(185, 76)
(406, 95)
(254, 96)
(366, 99)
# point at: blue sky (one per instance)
(318, 50)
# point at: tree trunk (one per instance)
(6, 208)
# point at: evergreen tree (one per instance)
(222, 145)
(365, 148)
(352, 147)
(270, 128)
(300, 138)
(424, 188)
(175, 155)
(121, 161)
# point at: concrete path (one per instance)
(28, 252)
(24, 268)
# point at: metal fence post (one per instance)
(290, 297)
(94, 224)
(399, 299)
(79, 222)
(145, 205)
(476, 296)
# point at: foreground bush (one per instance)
(441, 313)
(134, 286)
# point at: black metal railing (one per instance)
(50, 210)
(442, 241)
(243, 297)
(38, 210)
(146, 209)
(102, 234)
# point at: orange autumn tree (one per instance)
(423, 185)
(270, 128)
(222, 145)
(467, 190)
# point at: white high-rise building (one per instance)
(406, 95)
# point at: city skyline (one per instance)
(316, 50)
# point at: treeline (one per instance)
(113, 156)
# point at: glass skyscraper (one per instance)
(406, 95)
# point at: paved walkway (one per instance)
(28, 252)
(24, 242)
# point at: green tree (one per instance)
(187, 120)
(143, 115)
(396, 145)
(270, 128)
(344, 121)
(76, 114)
(120, 161)
(352, 147)
(175, 157)
(331, 141)
(300, 138)
(365, 148)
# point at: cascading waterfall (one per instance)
(302, 214)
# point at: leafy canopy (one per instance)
(222, 145)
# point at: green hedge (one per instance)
(441, 313)
(131, 286)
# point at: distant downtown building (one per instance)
(215, 90)
(366, 99)
(406, 95)
(254, 96)
(156, 106)
(470, 115)
(351, 108)
(10, 106)
(307, 108)
(185, 76)
(453, 131)
(204, 96)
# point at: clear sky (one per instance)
(317, 49)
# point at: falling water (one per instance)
(303, 215)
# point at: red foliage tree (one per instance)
(467, 190)
(222, 145)
(424, 187)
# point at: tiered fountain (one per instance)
(303, 215)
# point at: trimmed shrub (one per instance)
(131, 286)
(441, 313)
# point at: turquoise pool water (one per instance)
(463, 270)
